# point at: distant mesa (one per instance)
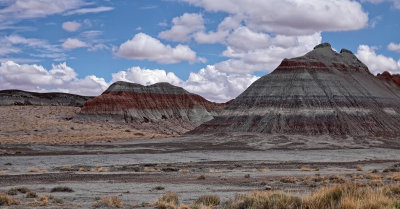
(161, 106)
(19, 97)
(320, 93)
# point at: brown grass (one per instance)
(359, 169)
(110, 202)
(184, 171)
(201, 177)
(207, 200)
(394, 176)
(347, 196)
(305, 169)
(167, 201)
(7, 200)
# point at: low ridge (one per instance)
(320, 93)
(19, 97)
(160, 106)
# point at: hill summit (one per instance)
(320, 93)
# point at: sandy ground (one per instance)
(40, 151)
(53, 124)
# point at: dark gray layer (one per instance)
(18, 97)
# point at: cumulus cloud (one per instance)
(292, 17)
(183, 27)
(36, 78)
(394, 47)
(143, 46)
(72, 43)
(207, 82)
(71, 26)
(266, 52)
(377, 63)
(146, 76)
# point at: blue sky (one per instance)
(212, 48)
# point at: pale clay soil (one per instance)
(52, 125)
(40, 149)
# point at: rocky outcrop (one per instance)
(395, 78)
(160, 106)
(320, 93)
(18, 97)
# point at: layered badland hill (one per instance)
(160, 106)
(320, 93)
(395, 78)
(19, 97)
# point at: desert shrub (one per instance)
(201, 177)
(208, 200)
(61, 189)
(113, 202)
(31, 194)
(12, 191)
(288, 179)
(261, 200)
(159, 188)
(7, 200)
(169, 200)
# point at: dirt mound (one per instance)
(19, 97)
(160, 106)
(322, 92)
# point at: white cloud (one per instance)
(394, 47)
(266, 57)
(146, 76)
(89, 10)
(292, 17)
(72, 43)
(377, 63)
(36, 78)
(71, 26)
(14, 44)
(143, 46)
(218, 86)
(243, 39)
(184, 27)
(207, 82)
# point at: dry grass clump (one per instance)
(394, 176)
(14, 191)
(237, 164)
(184, 171)
(348, 196)
(262, 199)
(201, 177)
(31, 194)
(110, 202)
(167, 201)
(373, 176)
(288, 179)
(7, 200)
(207, 200)
(150, 170)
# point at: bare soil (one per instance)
(98, 159)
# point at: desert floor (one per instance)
(138, 170)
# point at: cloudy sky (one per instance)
(209, 47)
